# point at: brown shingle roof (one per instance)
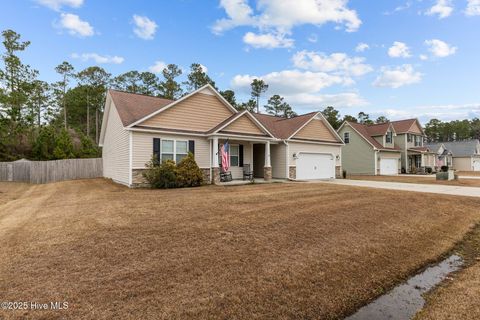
(378, 129)
(402, 126)
(132, 107)
(280, 127)
(364, 132)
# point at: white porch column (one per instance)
(215, 152)
(267, 154)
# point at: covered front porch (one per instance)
(420, 161)
(250, 158)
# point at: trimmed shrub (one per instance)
(444, 168)
(188, 172)
(161, 176)
(428, 170)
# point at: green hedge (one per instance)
(170, 175)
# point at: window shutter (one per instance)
(156, 149)
(191, 146)
(240, 155)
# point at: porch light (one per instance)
(295, 156)
(338, 157)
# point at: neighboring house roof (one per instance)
(365, 132)
(404, 126)
(283, 128)
(420, 149)
(379, 129)
(466, 148)
(132, 106)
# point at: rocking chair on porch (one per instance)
(247, 172)
(225, 176)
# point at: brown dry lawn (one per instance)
(421, 180)
(279, 251)
(469, 173)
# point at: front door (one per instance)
(258, 160)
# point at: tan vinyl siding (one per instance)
(115, 151)
(428, 160)
(296, 147)
(416, 129)
(143, 148)
(462, 164)
(243, 125)
(200, 112)
(316, 130)
(358, 156)
(278, 160)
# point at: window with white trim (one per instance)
(181, 150)
(346, 137)
(234, 155)
(389, 137)
(418, 141)
(167, 150)
(174, 150)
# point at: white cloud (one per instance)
(267, 40)
(441, 112)
(318, 101)
(442, 8)
(98, 58)
(75, 25)
(423, 57)
(280, 16)
(439, 48)
(399, 50)
(290, 82)
(397, 77)
(473, 8)
(157, 67)
(336, 63)
(58, 4)
(144, 27)
(361, 47)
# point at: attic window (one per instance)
(389, 137)
(346, 137)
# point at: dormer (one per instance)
(383, 133)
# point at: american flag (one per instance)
(225, 156)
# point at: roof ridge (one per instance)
(141, 94)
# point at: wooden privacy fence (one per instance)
(50, 171)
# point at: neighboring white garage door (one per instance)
(388, 166)
(476, 165)
(315, 166)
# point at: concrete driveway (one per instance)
(440, 189)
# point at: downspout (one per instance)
(287, 160)
(375, 157)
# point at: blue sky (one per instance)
(399, 58)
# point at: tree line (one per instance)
(435, 130)
(62, 119)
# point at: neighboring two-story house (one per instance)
(384, 149)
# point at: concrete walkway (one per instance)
(440, 189)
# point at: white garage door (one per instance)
(476, 165)
(315, 166)
(388, 166)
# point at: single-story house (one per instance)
(136, 127)
(461, 155)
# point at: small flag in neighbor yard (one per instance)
(225, 156)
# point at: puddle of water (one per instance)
(405, 300)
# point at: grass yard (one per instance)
(469, 173)
(421, 180)
(278, 251)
